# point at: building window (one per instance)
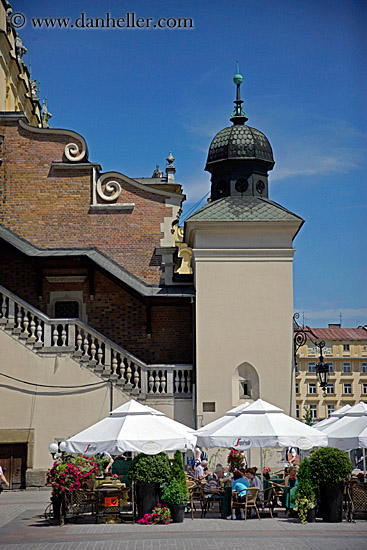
(330, 409)
(297, 411)
(330, 388)
(312, 367)
(297, 387)
(348, 389)
(313, 411)
(347, 367)
(364, 389)
(208, 407)
(346, 347)
(244, 389)
(331, 367)
(67, 309)
(312, 388)
(364, 367)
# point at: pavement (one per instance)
(23, 527)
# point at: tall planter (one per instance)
(177, 513)
(331, 502)
(147, 497)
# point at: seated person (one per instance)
(291, 481)
(254, 481)
(240, 484)
(291, 478)
(201, 470)
(213, 485)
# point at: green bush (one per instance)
(172, 493)
(329, 466)
(178, 473)
(305, 493)
(149, 468)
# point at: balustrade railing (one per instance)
(91, 349)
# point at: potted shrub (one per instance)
(67, 475)
(305, 494)
(330, 468)
(175, 497)
(148, 472)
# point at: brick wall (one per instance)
(115, 312)
(51, 207)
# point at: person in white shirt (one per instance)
(201, 470)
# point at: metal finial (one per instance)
(238, 115)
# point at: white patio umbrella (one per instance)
(262, 425)
(205, 432)
(333, 418)
(350, 431)
(133, 427)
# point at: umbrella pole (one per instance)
(248, 458)
(262, 473)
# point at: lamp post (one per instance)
(300, 336)
(322, 368)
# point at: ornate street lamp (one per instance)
(300, 336)
(322, 369)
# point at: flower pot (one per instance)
(311, 515)
(177, 513)
(147, 497)
(331, 502)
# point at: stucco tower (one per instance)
(243, 267)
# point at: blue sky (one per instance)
(136, 94)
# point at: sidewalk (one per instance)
(22, 527)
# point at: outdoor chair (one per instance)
(249, 502)
(356, 499)
(191, 485)
(208, 499)
(268, 499)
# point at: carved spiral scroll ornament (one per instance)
(112, 188)
(73, 153)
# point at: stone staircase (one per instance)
(92, 350)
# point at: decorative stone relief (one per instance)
(73, 153)
(112, 188)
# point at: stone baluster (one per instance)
(39, 343)
(79, 341)
(177, 382)
(63, 336)
(11, 314)
(136, 389)
(157, 382)
(151, 382)
(85, 356)
(4, 307)
(99, 366)
(93, 349)
(129, 373)
(18, 328)
(163, 382)
(123, 371)
(55, 335)
(32, 328)
(114, 365)
(25, 332)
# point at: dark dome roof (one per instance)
(240, 142)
